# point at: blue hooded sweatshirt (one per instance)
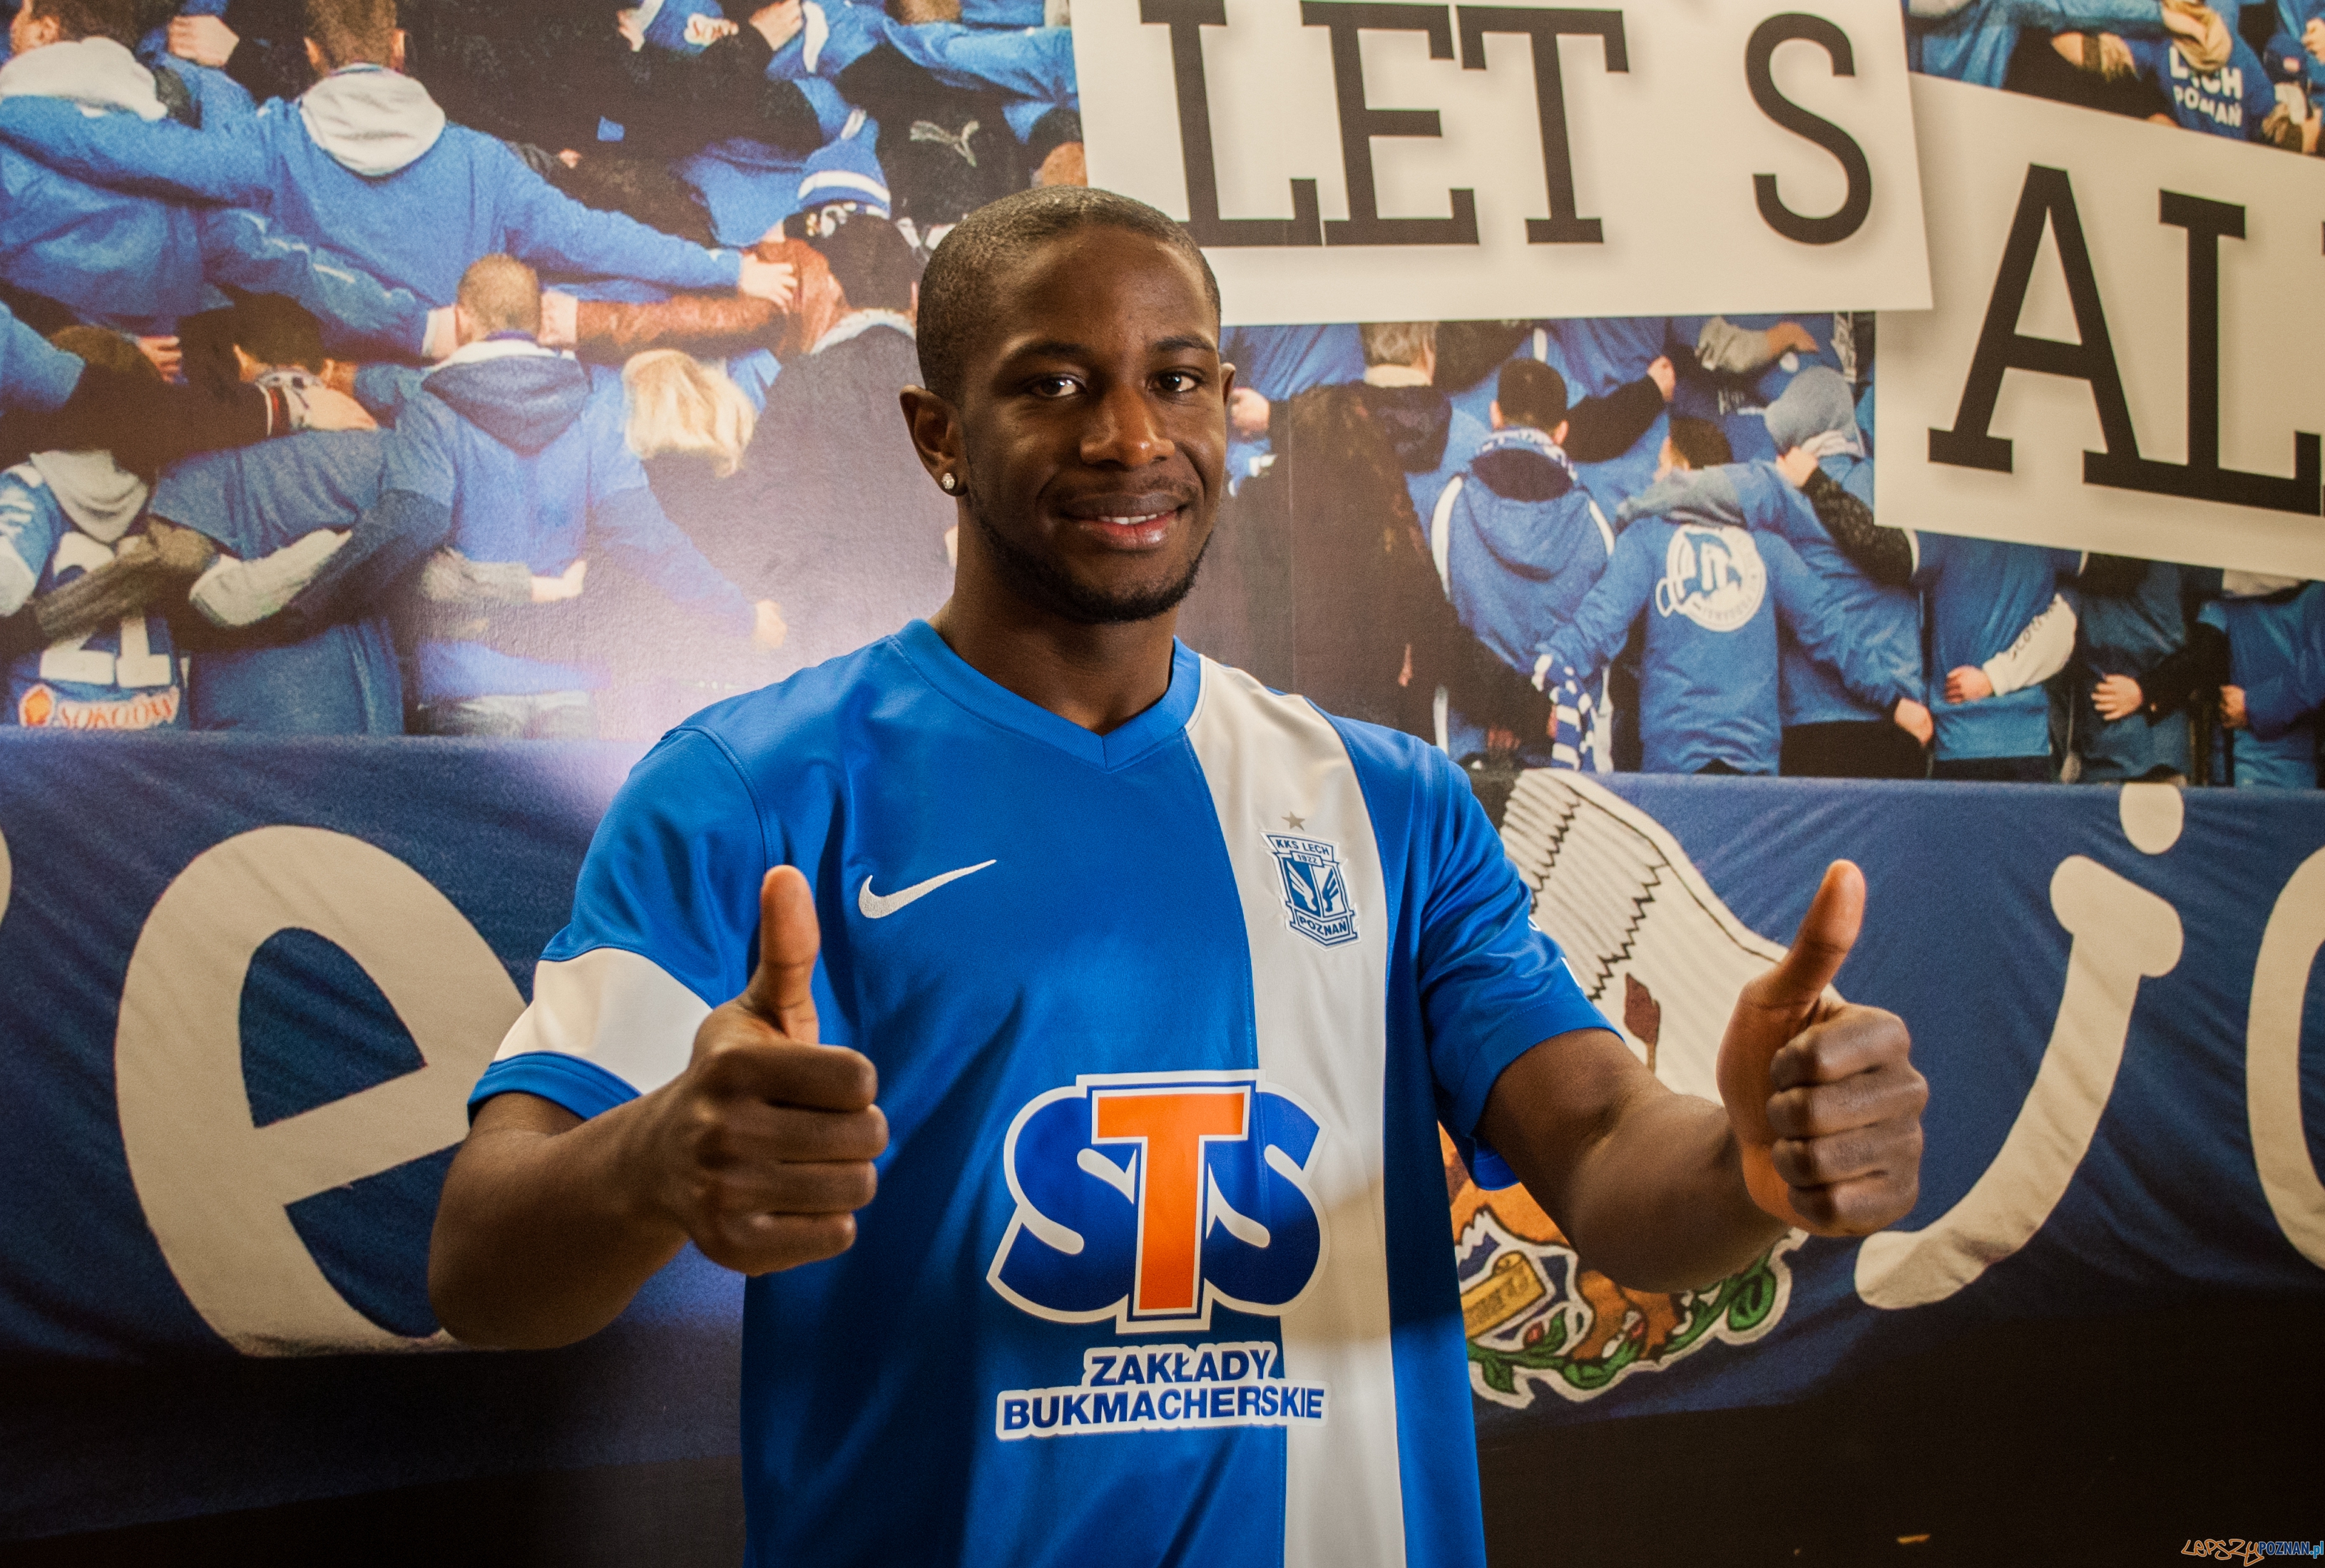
(123, 677)
(35, 376)
(343, 679)
(1522, 544)
(2274, 647)
(528, 465)
(1704, 551)
(1885, 623)
(365, 161)
(136, 262)
(1979, 596)
(1972, 41)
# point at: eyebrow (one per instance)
(1059, 348)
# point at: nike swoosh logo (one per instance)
(880, 906)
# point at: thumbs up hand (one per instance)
(1825, 1106)
(763, 1151)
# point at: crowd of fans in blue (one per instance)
(623, 296)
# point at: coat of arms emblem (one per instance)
(1315, 891)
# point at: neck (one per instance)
(1098, 676)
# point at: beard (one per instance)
(1039, 583)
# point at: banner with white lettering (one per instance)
(2121, 355)
(232, 1092)
(1363, 161)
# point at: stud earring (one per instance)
(948, 483)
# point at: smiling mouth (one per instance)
(1140, 525)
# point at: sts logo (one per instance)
(1148, 1197)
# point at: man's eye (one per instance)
(1180, 381)
(1055, 386)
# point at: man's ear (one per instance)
(315, 60)
(395, 50)
(1494, 414)
(1558, 436)
(912, 310)
(934, 426)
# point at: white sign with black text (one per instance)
(2125, 348)
(1353, 161)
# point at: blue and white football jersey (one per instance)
(126, 676)
(1166, 1021)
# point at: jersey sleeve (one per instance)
(1492, 985)
(664, 921)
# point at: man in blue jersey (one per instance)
(1163, 983)
(63, 515)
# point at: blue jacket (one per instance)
(35, 376)
(342, 680)
(2231, 102)
(2274, 647)
(1522, 542)
(1972, 41)
(123, 677)
(1704, 551)
(1884, 623)
(137, 263)
(528, 465)
(418, 228)
(2291, 693)
(1979, 595)
(2128, 634)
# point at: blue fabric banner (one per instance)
(250, 983)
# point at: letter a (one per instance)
(2047, 197)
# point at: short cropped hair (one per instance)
(872, 263)
(352, 32)
(106, 350)
(1531, 393)
(957, 290)
(275, 329)
(676, 403)
(501, 294)
(122, 21)
(1405, 343)
(1701, 443)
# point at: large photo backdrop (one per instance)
(1563, 344)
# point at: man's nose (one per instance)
(1123, 431)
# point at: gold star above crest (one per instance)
(1294, 823)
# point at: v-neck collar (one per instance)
(957, 678)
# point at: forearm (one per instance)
(542, 1235)
(707, 326)
(1646, 1184)
(1883, 554)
